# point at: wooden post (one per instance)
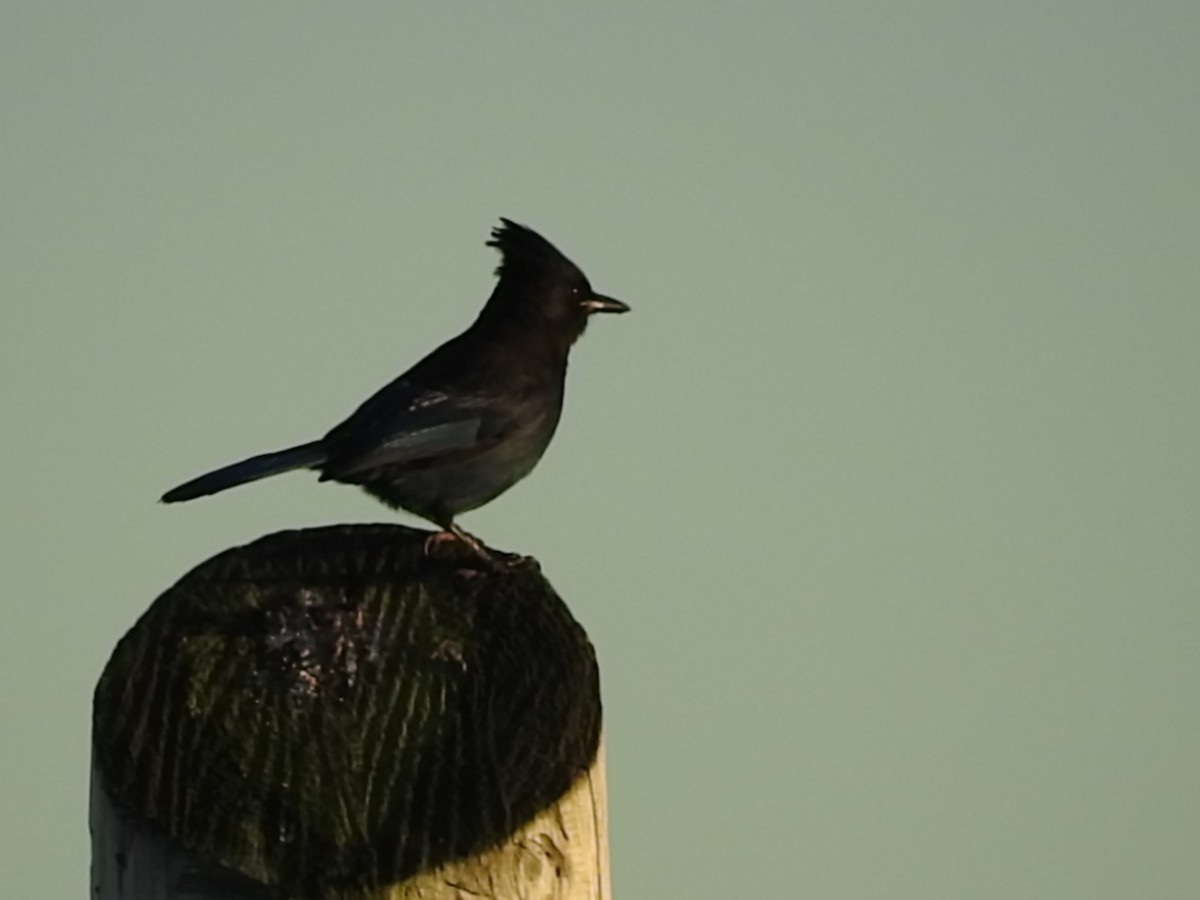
(335, 714)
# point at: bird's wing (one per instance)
(405, 423)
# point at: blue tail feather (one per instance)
(304, 456)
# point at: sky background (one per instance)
(881, 508)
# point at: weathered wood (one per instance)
(561, 855)
(337, 714)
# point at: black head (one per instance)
(541, 288)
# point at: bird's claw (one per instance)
(495, 560)
(436, 538)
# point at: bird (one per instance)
(470, 419)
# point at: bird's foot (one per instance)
(438, 537)
(494, 559)
(453, 533)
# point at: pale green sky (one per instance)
(882, 507)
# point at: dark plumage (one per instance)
(473, 417)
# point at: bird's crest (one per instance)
(525, 252)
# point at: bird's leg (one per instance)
(451, 532)
(471, 541)
(509, 561)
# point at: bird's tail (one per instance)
(304, 456)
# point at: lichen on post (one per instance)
(347, 713)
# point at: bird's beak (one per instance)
(598, 303)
